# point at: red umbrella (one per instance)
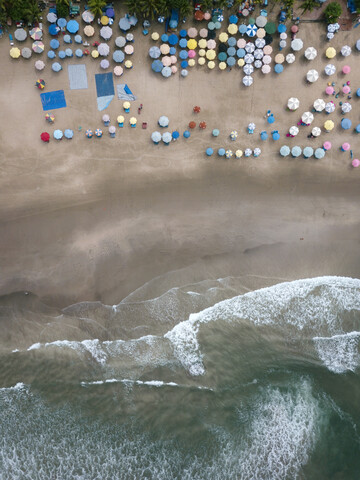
(202, 125)
(192, 125)
(199, 15)
(196, 109)
(45, 137)
(294, 29)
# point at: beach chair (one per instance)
(144, 125)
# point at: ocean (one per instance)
(207, 381)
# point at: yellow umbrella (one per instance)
(202, 52)
(260, 33)
(223, 37)
(126, 105)
(155, 36)
(210, 54)
(132, 121)
(329, 125)
(330, 52)
(15, 52)
(238, 153)
(120, 119)
(232, 29)
(211, 64)
(191, 44)
(128, 64)
(89, 31)
(202, 43)
(95, 54)
(191, 62)
(104, 20)
(201, 61)
(222, 65)
(241, 62)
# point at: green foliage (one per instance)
(16, 9)
(184, 6)
(308, 5)
(96, 7)
(62, 8)
(332, 12)
(32, 12)
(134, 8)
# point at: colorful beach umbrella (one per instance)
(38, 46)
(89, 133)
(36, 33)
(40, 83)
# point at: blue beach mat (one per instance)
(104, 89)
(124, 92)
(53, 100)
(77, 77)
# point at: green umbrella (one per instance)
(270, 28)
(251, 21)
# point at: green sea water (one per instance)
(199, 383)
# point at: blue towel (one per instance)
(53, 100)
(104, 84)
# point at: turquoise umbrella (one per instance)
(319, 153)
(284, 151)
(308, 152)
(296, 151)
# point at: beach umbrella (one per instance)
(51, 17)
(279, 58)
(156, 137)
(166, 61)
(275, 135)
(45, 137)
(251, 127)
(223, 37)
(98, 132)
(192, 54)
(210, 54)
(296, 151)
(154, 36)
(312, 75)
(281, 28)
(346, 69)
(270, 28)
(308, 152)
(233, 19)
(124, 24)
(175, 134)
(94, 54)
(67, 39)
(307, 118)
(104, 64)
(278, 68)
(26, 52)
(293, 103)
(163, 121)
(283, 36)
(231, 51)
(211, 44)
(62, 22)
(228, 153)
(271, 119)
(230, 61)
(346, 107)
(241, 62)
(329, 90)
(133, 121)
(191, 44)
(129, 49)
(202, 43)
(40, 84)
(186, 134)
(72, 26)
(330, 36)
(293, 130)
(58, 134)
(121, 41)
(346, 123)
(284, 151)
(49, 117)
(316, 132)
(106, 32)
(330, 52)
(357, 128)
(241, 52)
(56, 67)
(241, 43)
(68, 133)
(20, 34)
(128, 64)
(250, 47)
(259, 43)
(183, 43)
(15, 52)
(266, 69)
(221, 152)
(358, 92)
(261, 33)
(38, 46)
(103, 49)
(69, 52)
(345, 147)
(88, 16)
(54, 43)
(166, 72)
(329, 125)
(36, 33)
(232, 29)
(290, 58)
(165, 49)
(319, 153)
(166, 137)
(319, 104)
(310, 53)
(192, 32)
(358, 45)
(202, 52)
(215, 132)
(238, 153)
(263, 135)
(209, 152)
(202, 125)
(327, 145)
(355, 163)
(248, 152)
(346, 89)
(297, 44)
(261, 21)
(258, 64)
(203, 33)
(330, 69)
(173, 39)
(251, 30)
(257, 152)
(111, 14)
(53, 29)
(211, 65)
(247, 80)
(266, 59)
(118, 71)
(51, 54)
(345, 51)
(282, 44)
(249, 58)
(133, 20)
(39, 65)
(233, 135)
(331, 28)
(248, 69)
(89, 133)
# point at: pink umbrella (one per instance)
(241, 43)
(211, 44)
(207, 16)
(203, 33)
(191, 54)
(266, 59)
(346, 89)
(129, 49)
(174, 69)
(173, 59)
(166, 61)
(266, 69)
(327, 145)
(268, 49)
(329, 90)
(345, 147)
(245, 12)
(192, 32)
(355, 163)
(294, 29)
(346, 69)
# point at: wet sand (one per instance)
(96, 219)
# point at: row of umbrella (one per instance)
(307, 152)
(238, 153)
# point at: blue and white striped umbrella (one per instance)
(251, 30)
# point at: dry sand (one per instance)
(96, 219)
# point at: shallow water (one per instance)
(204, 382)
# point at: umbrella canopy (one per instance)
(297, 44)
(45, 137)
(279, 58)
(251, 127)
(293, 103)
(51, 17)
(58, 134)
(61, 54)
(345, 146)
(330, 52)
(67, 39)
(118, 71)
(266, 59)
(40, 83)
(330, 69)
(251, 30)
(36, 33)
(258, 54)
(203, 33)
(263, 135)
(69, 133)
(357, 128)
(157, 66)
(266, 69)
(124, 24)
(103, 49)
(209, 152)
(78, 53)
(247, 80)
(248, 69)
(202, 125)
(215, 132)
(15, 52)
(94, 54)
(38, 46)
(62, 22)
(156, 137)
(307, 118)
(293, 130)
(319, 153)
(175, 134)
(238, 153)
(329, 90)
(355, 163)
(26, 52)
(166, 137)
(20, 34)
(166, 72)
(257, 151)
(89, 133)
(250, 47)
(104, 64)
(228, 153)
(327, 145)
(186, 134)
(261, 21)
(121, 41)
(249, 58)
(53, 29)
(270, 28)
(275, 135)
(345, 51)
(98, 132)
(106, 32)
(118, 55)
(259, 43)
(290, 58)
(308, 152)
(165, 49)
(312, 75)
(192, 32)
(329, 125)
(129, 49)
(248, 152)
(316, 131)
(54, 43)
(284, 151)
(163, 121)
(50, 117)
(346, 107)
(346, 123)
(232, 29)
(39, 65)
(319, 104)
(88, 16)
(346, 69)
(133, 121)
(56, 67)
(271, 119)
(233, 135)
(296, 151)
(310, 53)
(72, 26)
(69, 52)
(278, 68)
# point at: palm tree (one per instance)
(145, 8)
(32, 12)
(308, 5)
(96, 7)
(134, 7)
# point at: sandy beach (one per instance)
(96, 219)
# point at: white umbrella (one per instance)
(331, 28)
(297, 44)
(257, 64)
(345, 51)
(258, 54)
(251, 126)
(319, 104)
(163, 121)
(248, 152)
(266, 69)
(39, 65)
(293, 103)
(248, 69)
(307, 118)
(156, 137)
(103, 49)
(249, 47)
(337, 26)
(330, 36)
(120, 41)
(310, 53)
(247, 80)
(261, 21)
(88, 16)
(312, 75)
(249, 58)
(166, 137)
(266, 59)
(330, 107)
(20, 34)
(316, 131)
(106, 32)
(293, 130)
(346, 107)
(184, 72)
(282, 43)
(330, 69)
(290, 58)
(51, 17)
(166, 72)
(257, 151)
(283, 35)
(260, 43)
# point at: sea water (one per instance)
(199, 383)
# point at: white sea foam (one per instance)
(150, 383)
(339, 353)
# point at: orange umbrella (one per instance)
(196, 109)
(192, 125)
(202, 125)
(199, 15)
